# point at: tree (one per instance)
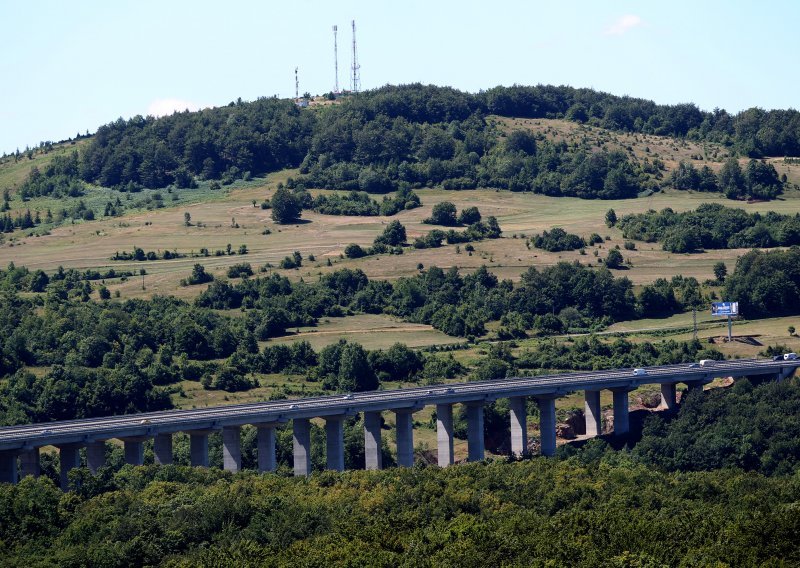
(286, 208)
(393, 235)
(469, 216)
(614, 259)
(443, 213)
(731, 179)
(355, 372)
(720, 271)
(611, 218)
(791, 330)
(187, 219)
(199, 275)
(354, 251)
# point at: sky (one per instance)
(69, 67)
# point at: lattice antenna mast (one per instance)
(296, 85)
(336, 59)
(356, 78)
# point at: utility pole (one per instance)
(694, 322)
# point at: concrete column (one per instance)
(162, 449)
(621, 420)
(669, 399)
(96, 455)
(8, 467)
(302, 446)
(231, 449)
(405, 437)
(592, 413)
(519, 425)
(334, 442)
(134, 452)
(70, 459)
(372, 440)
(444, 433)
(475, 432)
(198, 448)
(265, 447)
(29, 463)
(547, 425)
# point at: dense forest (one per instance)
(421, 136)
(712, 226)
(573, 510)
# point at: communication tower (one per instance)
(355, 81)
(296, 86)
(336, 60)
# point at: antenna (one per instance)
(336, 59)
(356, 78)
(296, 85)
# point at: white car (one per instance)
(639, 372)
(706, 362)
(790, 356)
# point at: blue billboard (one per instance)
(725, 309)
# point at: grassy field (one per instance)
(371, 330)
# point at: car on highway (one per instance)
(790, 356)
(348, 397)
(639, 372)
(706, 362)
(777, 357)
(694, 365)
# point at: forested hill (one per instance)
(414, 134)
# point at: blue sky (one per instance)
(71, 66)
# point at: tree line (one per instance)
(712, 226)
(415, 134)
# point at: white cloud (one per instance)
(164, 107)
(625, 23)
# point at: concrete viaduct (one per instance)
(19, 445)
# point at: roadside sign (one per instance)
(725, 309)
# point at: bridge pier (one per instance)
(134, 451)
(547, 425)
(8, 467)
(592, 413)
(475, 438)
(162, 449)
(405, 438)
(669, 396)
(444, 434)
(301, 429)
(29, 463)
(265, 447)
(621, 414)
(70, 458)
(334, 442)
(198, 448)
(519, 425)
(372, 441)
(231, 449)
(96, 455)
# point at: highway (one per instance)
(29, 436)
